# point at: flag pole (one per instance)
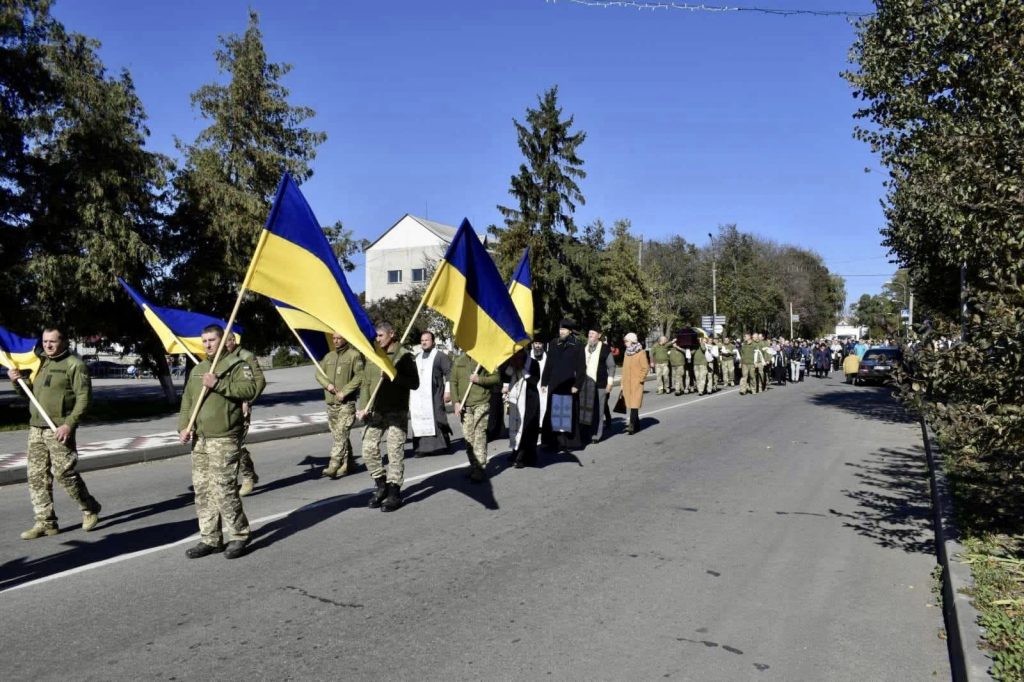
(306, 348)
(227, 329)
(28, 392)
(430, 288)
(32, 397)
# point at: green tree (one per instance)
(80, 197)
(628, 306)
(229, 178)
(547, 194)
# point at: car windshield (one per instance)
(880, 355)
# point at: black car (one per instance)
(878, 364)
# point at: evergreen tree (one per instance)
(547, 195)
(229, 178)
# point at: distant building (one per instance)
(405, 256)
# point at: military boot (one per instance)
(377, 498)
(39, 530)
(347, 467)
(394, 499)
(246, 487)
(331, 471)
(477, 474)
(91, 518)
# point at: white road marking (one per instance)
(279, 515)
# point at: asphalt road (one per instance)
(777, 537)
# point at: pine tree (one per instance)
(229, 178)
(547, 195)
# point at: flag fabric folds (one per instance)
(314, 334)
(294, 264)
(180, 331)
(17, 352)
(521, 291)
(468, 290)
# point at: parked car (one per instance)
(878, 364)
(105, 369)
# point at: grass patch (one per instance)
(997, 563)
(14, 416)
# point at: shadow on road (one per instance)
(80, 553)
(865, 402)
(893, 502)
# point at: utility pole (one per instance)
(640, 254)
(910, 322)
(714, 285)
(790, 320)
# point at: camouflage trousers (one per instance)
(748, 379)
(702, 376)
(340, 418)
(390, 427)
(661, 372)
(245, 465)
(45, 452)
(474, 431)
(215, 480)
(679, 378)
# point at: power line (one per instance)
(691, 7)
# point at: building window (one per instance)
(419, 274)
(394, 276)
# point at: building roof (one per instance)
(443, 232)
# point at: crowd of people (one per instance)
(556, 395)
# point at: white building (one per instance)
(404, 256)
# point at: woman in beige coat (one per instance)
(635, 367)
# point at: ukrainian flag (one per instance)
(180, 331)
(467, 289)
(17, 352)
(521, 291)
(294, 264)
(316, 336)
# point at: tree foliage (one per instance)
(943, 96)
(80, 197)
(230, 174)
(547, 194)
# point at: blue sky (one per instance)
(693, 119)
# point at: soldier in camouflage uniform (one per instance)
(343, 375)
(246, 467)
(217, 447)
(474, 383)
(677, 363)
(660, 361)
(63, 388)
(388, 419)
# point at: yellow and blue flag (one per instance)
(314, 334)
(294, 264)
(17, 352)
(521, 291)
(468, 290)
(180, 331)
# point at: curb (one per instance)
(968, 662)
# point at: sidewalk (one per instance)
(291, 406)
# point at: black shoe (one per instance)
(393, 500)
(203, 549)
(477, 474)
(520, 463)
(377, 498)
(234, 549)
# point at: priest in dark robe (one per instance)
(522, 374)
(563, 378)
(431, 433)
